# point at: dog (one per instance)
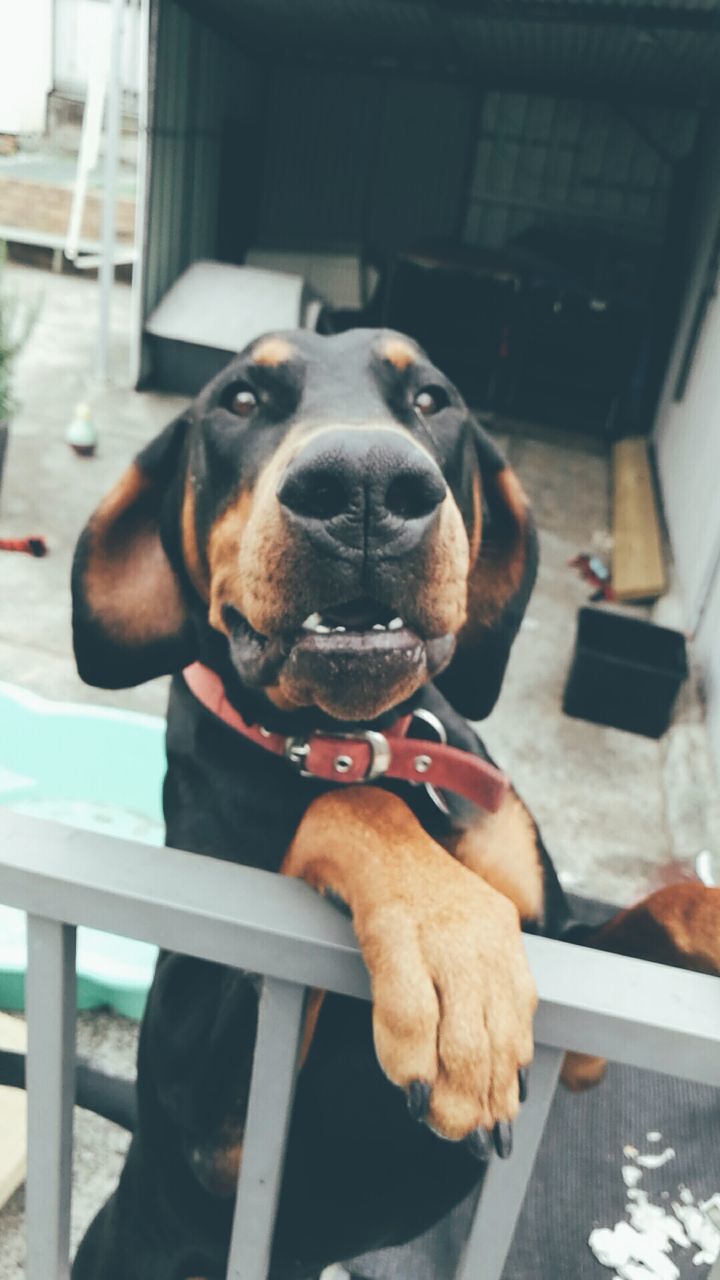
(327, 543)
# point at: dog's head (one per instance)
(330, 510)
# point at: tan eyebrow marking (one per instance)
(272, 351)
(399, 353)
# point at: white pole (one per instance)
(112, 146)
(137, 316)
(89, 149)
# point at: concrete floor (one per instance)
(619, 813)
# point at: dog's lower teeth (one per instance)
(314, 623)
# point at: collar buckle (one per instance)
(297, 751)
(380, 751)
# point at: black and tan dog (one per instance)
(328, 530)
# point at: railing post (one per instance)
(280, 1026)
(506, 1182)
(50, 998)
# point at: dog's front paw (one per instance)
(453, 1003)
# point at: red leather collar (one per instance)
(365, 755)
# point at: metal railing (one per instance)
(627, 1010)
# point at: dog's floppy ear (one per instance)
(130, 620)
(501, 579)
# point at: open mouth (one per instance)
(360, 626)
(363, 624)
(360, 639)
(352, 660)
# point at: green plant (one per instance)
(17, 318)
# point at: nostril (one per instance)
(315, 494)
(414, 495)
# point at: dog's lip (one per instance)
(237, 624)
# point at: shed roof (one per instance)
(665, 50)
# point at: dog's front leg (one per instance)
(453, 998)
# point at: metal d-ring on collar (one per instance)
(434, 723)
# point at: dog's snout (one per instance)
(364, 489)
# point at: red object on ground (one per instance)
(31, 546)
(603, 586)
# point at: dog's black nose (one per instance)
(363, 487)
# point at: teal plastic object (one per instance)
(95, 768)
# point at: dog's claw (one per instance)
(503, 1136)
(418, 1099)
(523, 1083)
(479, 1144)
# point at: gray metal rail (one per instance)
(626, 1010)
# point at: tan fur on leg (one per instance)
(453, 998)
(582, 1071)
(502, 847)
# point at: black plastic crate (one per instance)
(626, 672)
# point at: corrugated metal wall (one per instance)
(347, 159)
(358, 157)
(362, 159)
(549, 160)
(190, 70)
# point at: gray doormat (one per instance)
(578, 1185)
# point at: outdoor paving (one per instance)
(617, 811)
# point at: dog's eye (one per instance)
(431, 400)
(242, 402)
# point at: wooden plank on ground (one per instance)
(13, 1116)
(638, 571)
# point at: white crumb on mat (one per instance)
(640, 1248)
(657, 1160)
(712, 1208)
(652, 1220)
(654, 1136)
(634, 1256)
(701, 1230)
